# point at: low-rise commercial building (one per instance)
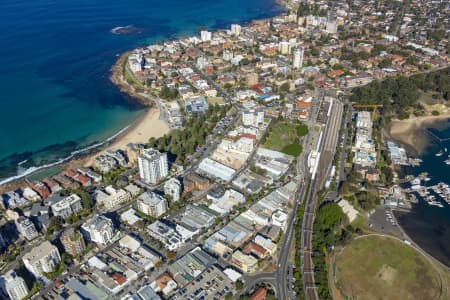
(246, 263)
(215, 169)
(164, 284)
(166, 234)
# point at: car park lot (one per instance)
(211, 284)
(382, 220)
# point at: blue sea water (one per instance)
(55, 60)
(429, 226)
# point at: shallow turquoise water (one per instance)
(55, 57)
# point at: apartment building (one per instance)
(42, 259)
(153, 166)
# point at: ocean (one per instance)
(55, 60)
(429, 226)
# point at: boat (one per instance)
(440, 153)
(447, 161)
(413, 198)
(435, 203)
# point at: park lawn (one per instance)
(285, 137)
(383, 268)
(292, 149)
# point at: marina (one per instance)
(431, 194)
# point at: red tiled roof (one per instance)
(255, 249)
(260, 294)
(71, 173)
(119, 278)
(249, 136)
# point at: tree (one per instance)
(171, 255)
(239, 285)
(86, 199)
(168, 93)
(367, 200)
(285, 87)
(55, 224)
(303, 10)
(388, 174)
(385, 63)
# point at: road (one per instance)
(283, 282)
(281, 279)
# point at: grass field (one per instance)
(285, 137)
(383, 268)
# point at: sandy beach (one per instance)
(411, 132)
(147, 126)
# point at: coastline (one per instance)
(143, 128)
(136, 132)
(412, 132)
(423, 224)
(117, 77)
(140, 131)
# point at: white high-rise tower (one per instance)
(298, 58)
(236, 29)
(153, 166)
(205, 35)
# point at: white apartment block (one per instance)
(67, 206)
(236, 29)
(227, 55)
(98, 229)
(202, 62)
(135, 62)
(253, 117)
(43, 258)
(26, 228)
(111, 197)
(153, 166)
(13, 286)
(152, 204)
(205, 35)
(284, 47)
(172, 187)
(298, 58)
